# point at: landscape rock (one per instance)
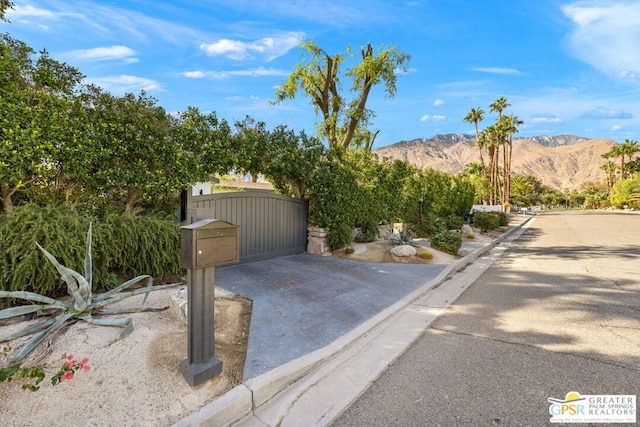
(403, 250)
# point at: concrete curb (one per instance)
(244, 400)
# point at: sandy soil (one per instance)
(135, 381)
(380, 251)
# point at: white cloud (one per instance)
(103, 54)
(616, 128)
(545, 118)
(122, 84)
(606, 35)
(254, 72)
(26, 11)
(438, 102)
(404, 71)
(194, 74)
(269, 47)
(496, 70)
(602, 113)
(434, 118)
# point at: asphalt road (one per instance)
(558, 312)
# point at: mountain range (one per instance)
(563, 162)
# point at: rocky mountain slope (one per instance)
(562, 162)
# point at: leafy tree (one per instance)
(526, 190)
(250, 145)
(595, 194)
(35, 116)
(476, 115)
(626, 192)
(134, 153)
(344, 122)
(203, 145)
(292, 160)
(476, 175)
(4, 6)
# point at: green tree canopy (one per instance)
(36, 98)
(343, 122)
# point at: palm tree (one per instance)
(511, 126)
(627, 148)
(494, 136)
(474, 116)
(499, 105)
(610, 170)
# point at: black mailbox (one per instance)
(209, 243)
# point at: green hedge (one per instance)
(486, 221)
(123, 246)
(447, 241)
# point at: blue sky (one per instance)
(566, 67)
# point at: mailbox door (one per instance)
(216, 247)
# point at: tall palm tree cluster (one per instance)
(496, 139)
(626, 150)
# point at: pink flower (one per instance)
(67, 376)
(86, 368)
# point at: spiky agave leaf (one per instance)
(88, 265)
(27, 309)
(32, 296)
(122, 295)
(58, 321)
(125, 323)
(28, 330)
(74, 280)
(126, 285)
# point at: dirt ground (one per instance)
(135, 381)
(380, 251)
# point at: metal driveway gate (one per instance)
(271, 225)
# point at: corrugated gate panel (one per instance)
(271, 225)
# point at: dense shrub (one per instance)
(486, 221)
(123, 246)
(447, 241)
(503, 219)
(368, 233)
(354, 188)
(626, 192)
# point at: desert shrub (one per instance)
(426, 255)
(448, 241)
(454, 222)
(503, 219)
(123, 246)
(339, 236)
(486, 221)
(470, 236)
(368, 233)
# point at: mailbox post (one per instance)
(205, 244)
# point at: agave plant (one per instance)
(82, 305)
